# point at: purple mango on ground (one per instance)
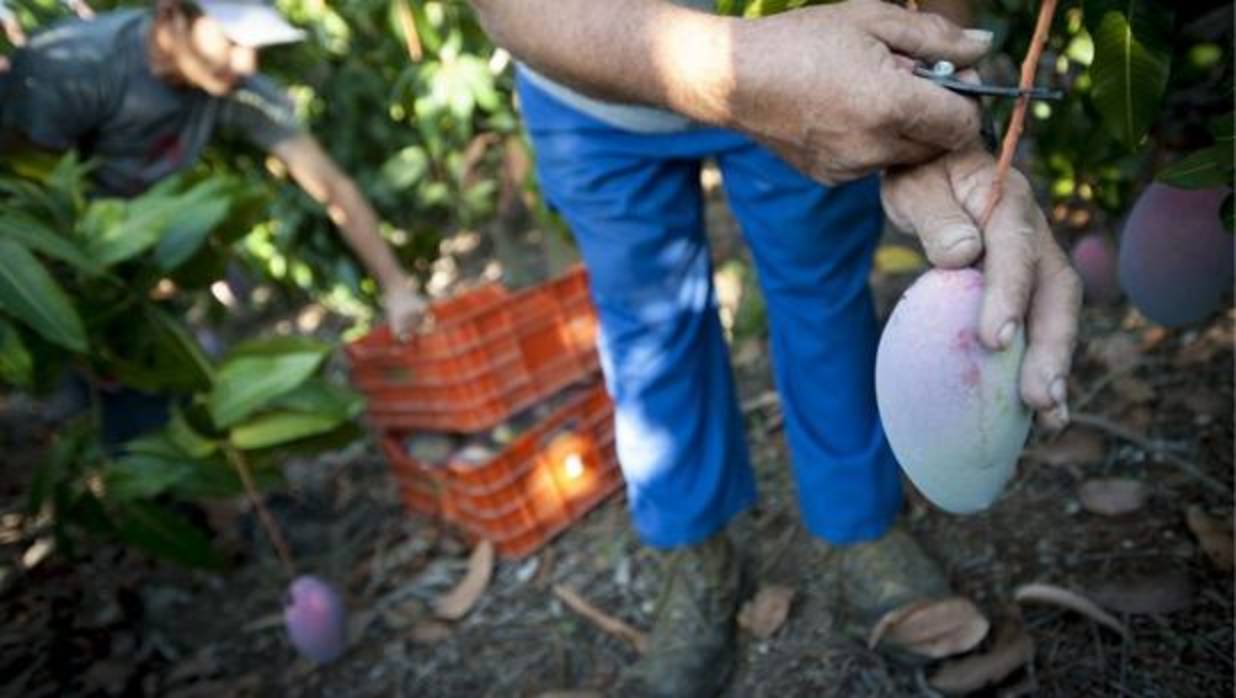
(315, 619)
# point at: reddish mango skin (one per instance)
(951, 408)
(1094, 258)
(315, 619)
(1175, 257)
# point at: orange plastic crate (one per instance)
(543, 481)
(490, 353)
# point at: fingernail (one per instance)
(981, 35)
(1058, 391)
(1062, 414)
(1005, 337)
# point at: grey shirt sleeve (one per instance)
(260, 112)
(50, 107)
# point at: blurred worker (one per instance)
(623, 102)
(144, 91)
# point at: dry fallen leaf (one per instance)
(429, 631)
(1059, 596)
(933, 629)
(1113, 496)
(763, 615)
(1214, 535)
(1013, 649)
(1166, 592)
(1073, 447)
(456, 603)
(581, 693)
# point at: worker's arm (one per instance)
(322, 179)
(827, 87)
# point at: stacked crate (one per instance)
(495, 417)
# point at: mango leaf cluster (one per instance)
(84, 288)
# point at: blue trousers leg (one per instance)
(813, 247)
(634, 204)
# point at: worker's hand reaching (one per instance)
(405, 307)
(831, 88)
(1029, 280)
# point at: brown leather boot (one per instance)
(691, 649)
(886, 574)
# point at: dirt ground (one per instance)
(1154, 406)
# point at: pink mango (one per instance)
(315, 619)
(951, 408)
(1094, 258)
(1176, 259)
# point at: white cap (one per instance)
(251, 23)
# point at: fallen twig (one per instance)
(603, 620)
(1189, 468)
(1064, 598)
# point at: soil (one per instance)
(114, 622)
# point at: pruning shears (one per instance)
(943, 73)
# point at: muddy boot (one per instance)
(691, 647)
(886, 574)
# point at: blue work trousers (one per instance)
(634, 203)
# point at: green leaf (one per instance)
(16, 365)
(187, 439)
(764, 8)
(42, 239)
(405, 168)
(275, 428)
(190, 230)
(278, 346)
(116, 231)
(178, 351)
(142, 476)
(159, 443)
(316, 395)
(1132, 59)
(1207, 168)
(30, 294)
(1221, 129)
(57, 466)
(247, 383)
(108, 237)
(165, 534)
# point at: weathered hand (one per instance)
(830, 88)
(404, 308)
(1029, 279)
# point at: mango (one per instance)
(1176, 260)
(1094, 258)
(951, 408)
(315, 619)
